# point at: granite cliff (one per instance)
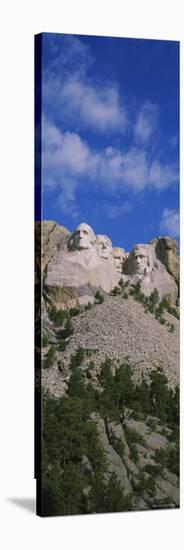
(75, 266)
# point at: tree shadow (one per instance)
(28, 504)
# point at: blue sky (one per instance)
(110, 146)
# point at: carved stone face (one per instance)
(83, 237)
(104, 247)
(118, 257)
(140, 260)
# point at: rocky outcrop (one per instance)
(114, 462)
(117, 433)
(163, 483)
(60, 297)
(48, 236)
(140, 474)
(166, 250)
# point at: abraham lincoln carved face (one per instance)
(140, 259)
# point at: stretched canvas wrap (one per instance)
(106, 274)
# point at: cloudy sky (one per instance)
(110, 153)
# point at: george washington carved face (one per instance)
(83, 238)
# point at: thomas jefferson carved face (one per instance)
(140, 260)
(104, 246)
(83, 238)
(118, 257)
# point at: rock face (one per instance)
(83, 270)
(82, 263)
(145, 467)
(115, 464)
(166, 250)
(48, 236)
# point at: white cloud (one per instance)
(69, 94)
(135, 170)
(85, 104)
(75, 101)
(146, 122)
(162, 176)
(129, 169)
(66, 56)
(66, 155)
(98, 108)
(170, 222)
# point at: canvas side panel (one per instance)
(38, 211)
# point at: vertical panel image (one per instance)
(107, 274)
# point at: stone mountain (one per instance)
(74, 266)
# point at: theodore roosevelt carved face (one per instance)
(118, 258)
(104, 246)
